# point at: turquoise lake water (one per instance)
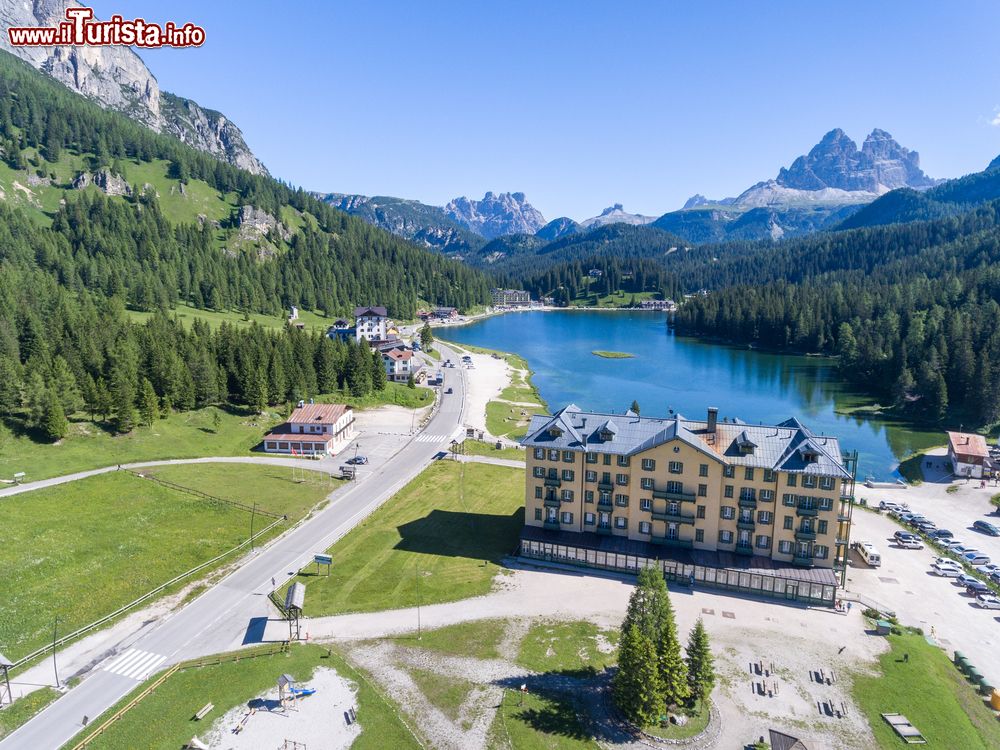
(670, 372)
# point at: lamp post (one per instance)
(253, 513)
(55, 667)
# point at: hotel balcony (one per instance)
(745, 524)
(662, 514)
(748, 503)
(551, 502)
(551, 524)
(606, 486)
(603, 503)
(806, 511)
(682, 497)
(603, 528)
(802, 535)
(672, 542)
(552, 481)
(802, 560)
(744, 549)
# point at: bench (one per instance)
(203, 712)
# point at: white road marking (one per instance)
(135, 664)
(432, 438)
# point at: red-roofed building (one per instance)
(968, 454)
(313, 430)
(398, 364)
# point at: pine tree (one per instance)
(102, 400)
(673, 670)
(54, 425)
(635, 406)
(122, 402)
(379, 377)
(148, 403)
(700, 664)
(359, 380)
(636, 687)
(426, 337)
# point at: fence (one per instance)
(149, 594)
(202, 662)
(203, 495)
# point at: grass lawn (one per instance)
(479, 639)
(163, 719)
(425, 544)
(931, 692)
(398, 394)
(910, 470)
(509, 420)
(24, 708)
(446, 692)
(188, 314)
(189, 434)
(541, 723)
(696, 723)
(484, 448)
(611, 355)
(271, 487)
(81, 550)
(568, 647)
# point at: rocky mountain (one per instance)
(116, 78)
(428, 226)
(496, 215)
(616, 215)
(557, 228)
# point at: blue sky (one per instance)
(581, 105)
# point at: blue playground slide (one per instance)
(303, 691)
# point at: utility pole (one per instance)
(55, 667)
(416, 574)
(252, 514)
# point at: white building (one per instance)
(398, 364)
(313, 430)
(371, 324)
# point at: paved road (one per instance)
(220, 618)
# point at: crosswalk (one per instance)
(432, 438)
(135, 664)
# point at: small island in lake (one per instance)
(612, 355)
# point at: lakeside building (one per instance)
(371, 324)
(313, 430)
(968, 455)
(764, 509)
(510, 297)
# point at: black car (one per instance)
(358, 460)
(941, 534)
(986, 527)
(976, 588)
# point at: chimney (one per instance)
(713, 417)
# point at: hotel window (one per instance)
(826, 483)
(591, 476)
(588, 519)
(591, 457)
(605, 498)
(703, 470)
(729, 490)
(822, 527)
(764, 517)
(621, 500)
(792, 479)
(588, 496)
(553, 455)
(809, 481)
(729, 471)
(646, 483)
(826, 503)
(748, 493)
(785, 547)
(700, 511)
(644, 527)
(725, 537)
(788, 499)
(675, 467)
(621, 522)
(728, 512)
(699, 535)
(789, 520)
(567, 495)
(702, 490)
(539, 471)
(567, 517)
(623, 460)
(767, 496)
(645, 504)
(820, 551)
(648, 464)
(675, 488)
(567, 457)
(538, 514)
(748, 474)
(607, 459)
(768, 475)
(567, 475)
(763, 541)
(538, 493)
(621, 479)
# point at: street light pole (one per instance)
(252, 514)
(55, 667)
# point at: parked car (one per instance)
(951, 543)
(976, 558)
(902, 535)
(986, 527)
(945, 561)
(962, 550)
(941, 534)
(910, 543)
(946, 571)
(988, 601)
(977, 588)
(925, 525)
(988, 569)
(965, 579)
(890, 507)
(995, 577)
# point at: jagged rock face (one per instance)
(255, 224)
(836, 162)
(109, 182)
(558, 228)
(116, 78)
(496, 215)
(616, 214)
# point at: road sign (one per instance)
(323, 559)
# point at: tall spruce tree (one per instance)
(379, 378)
(636, 687)
(149, 406)
(700, 664)
(54, 425)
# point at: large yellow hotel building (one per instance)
(764, 509)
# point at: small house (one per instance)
(968, 455)
(313, 430)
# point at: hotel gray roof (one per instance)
(788, 446)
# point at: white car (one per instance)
(976, 558)
(945, 561)
(988, 601)
(909, 543)
(947, 571)
(951, 543)
(988, 569)
(961, 550)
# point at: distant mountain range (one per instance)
(118, 79)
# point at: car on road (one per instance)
(977, 588)
(986, 527)
(976, 558)
(988, 601)
(358, 460)
(966, 579)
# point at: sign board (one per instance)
(323, 559)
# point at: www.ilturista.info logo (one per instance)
(80, 28)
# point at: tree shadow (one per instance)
(545, 712)
(477, 536)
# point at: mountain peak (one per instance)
(497, 214)
(616, 214)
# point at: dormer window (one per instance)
(555, 432)
(607, 435)
(810, 457)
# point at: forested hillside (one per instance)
(912, 309)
